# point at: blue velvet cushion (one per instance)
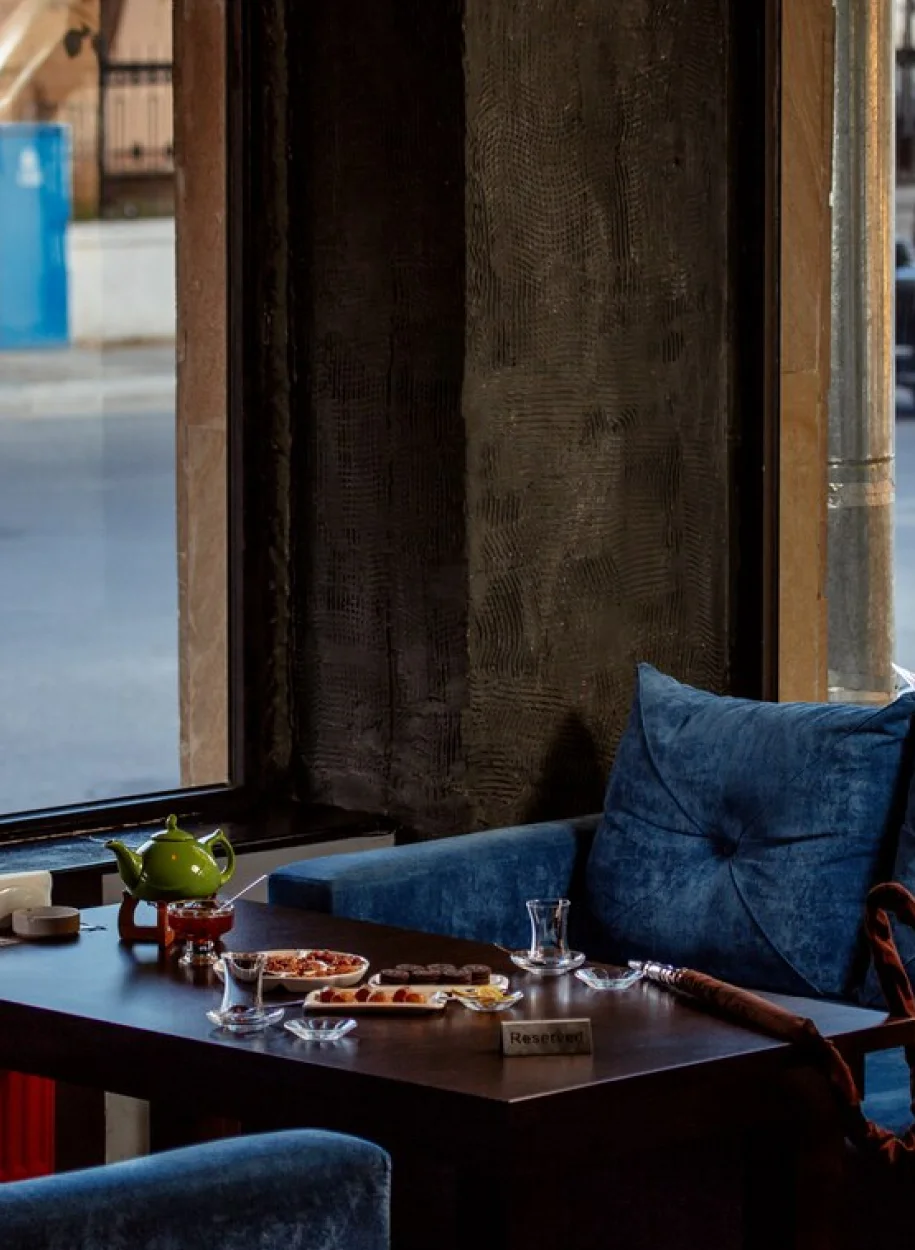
(277, 1191)
(741, 838)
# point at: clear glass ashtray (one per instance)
(321, 1028)
(548, 966)
(244, 1020)
(485, 999)
(609, 977)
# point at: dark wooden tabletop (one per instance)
(129, 1019)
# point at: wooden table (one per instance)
(679, 1125)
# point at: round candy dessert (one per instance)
(394, 976)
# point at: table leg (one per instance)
(795, 1190)
(80, 1127)
(512, 1211)
(688, 1196)
(679, 1197)
(170, 1127)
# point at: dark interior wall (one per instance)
(377, 214)
(261, 479)
(596, 391)
(495, 270)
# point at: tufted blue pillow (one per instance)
(741, 838)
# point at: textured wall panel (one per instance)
(597, 373)
(496, 356)
(376, 219)
(261, 317)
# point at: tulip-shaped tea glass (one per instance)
(243, 1009)
(549, 953)
(201, 923)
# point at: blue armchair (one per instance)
(271, 1192)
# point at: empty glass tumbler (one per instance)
(549, 930)
(242, 1009)
(548, 953)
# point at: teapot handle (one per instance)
(219, 839)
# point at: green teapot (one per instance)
(174, 865)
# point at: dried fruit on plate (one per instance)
(313, 963)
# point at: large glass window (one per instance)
(96, 640)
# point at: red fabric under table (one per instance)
(26, 1126)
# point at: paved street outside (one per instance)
(88, 576)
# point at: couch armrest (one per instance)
(254, 1191)
(472, 886)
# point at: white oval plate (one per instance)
(299, 985)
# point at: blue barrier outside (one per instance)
(34, 213)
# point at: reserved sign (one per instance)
(546, 1037)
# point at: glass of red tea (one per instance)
(200, 923)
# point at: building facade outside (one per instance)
(103, 67)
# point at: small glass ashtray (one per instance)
(486, 999)
(610, 977)
(550, 967)
(243, 1020)
(321, 1028)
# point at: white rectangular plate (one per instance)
(433, 1002)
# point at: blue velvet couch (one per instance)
(737, 837)
(268, 1192)
(475, 887)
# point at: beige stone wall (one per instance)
(42, 82)
(36, 75)
(144, 31)
(140, 118)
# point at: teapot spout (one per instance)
(130, 865)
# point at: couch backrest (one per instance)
(741, 837)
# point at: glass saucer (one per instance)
(482, 1004)
(246, 1021)
(609, 978)
(552, 968)
(321, 1028)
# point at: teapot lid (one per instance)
(171, 833)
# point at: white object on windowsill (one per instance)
(22, 889)
(905, 680)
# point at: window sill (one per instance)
(82, 853)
